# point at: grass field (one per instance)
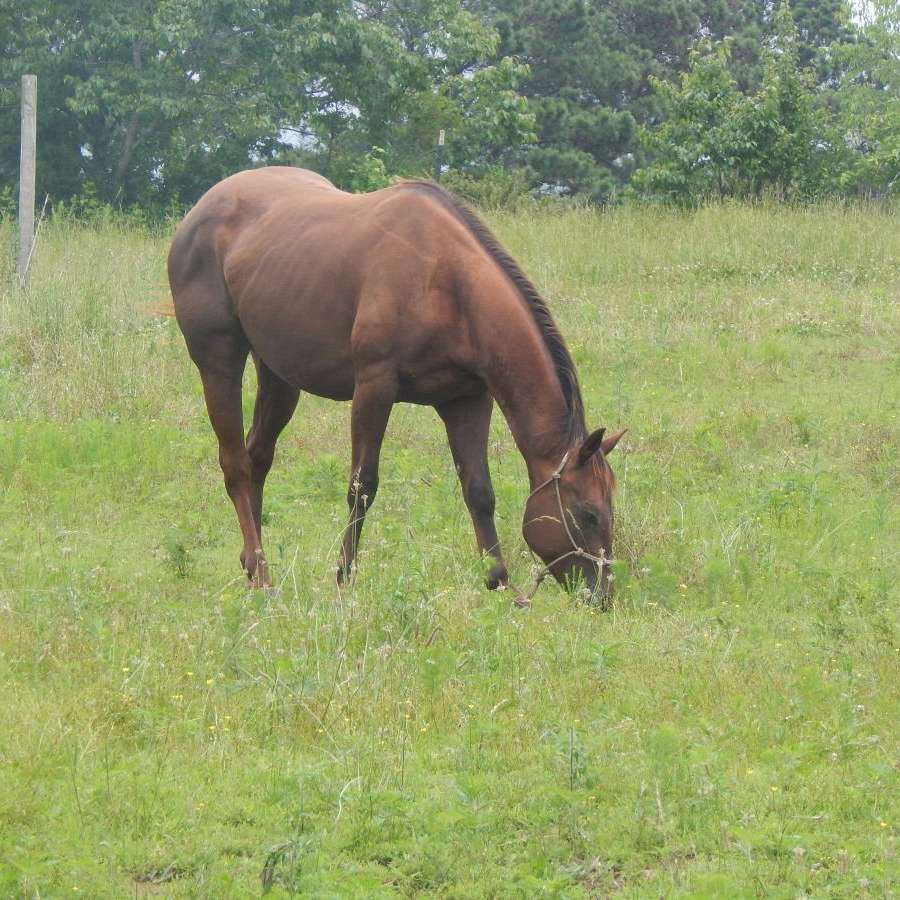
(731, 728)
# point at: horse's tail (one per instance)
(163, 308)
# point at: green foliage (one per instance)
(579, 81)
(8, 204)
(495, 187)
(719, 141)
(866, 130)
(691, 158)
(592, 65)
(149, 104)
(366, 174)
(159, 100)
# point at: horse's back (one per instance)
(318, 280)
(225, 212)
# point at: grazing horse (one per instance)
(400, 295)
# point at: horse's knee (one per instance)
(480, 499)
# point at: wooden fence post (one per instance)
(27, 167)
(439, 156)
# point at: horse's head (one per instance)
(569, 517)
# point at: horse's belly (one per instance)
(307, 343)
(306, 355)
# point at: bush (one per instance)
(492, 188)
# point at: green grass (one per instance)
(728, 729)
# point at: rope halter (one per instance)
(577, 549)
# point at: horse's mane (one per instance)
(573, 424)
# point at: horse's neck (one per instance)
(522, 379)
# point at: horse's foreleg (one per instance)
(276, 401)
(373, 398)
(468, 423)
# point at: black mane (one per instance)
(574, 424)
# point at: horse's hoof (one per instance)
(260, 580)
(520, 601)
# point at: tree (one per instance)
(866, 103)
(430, 65)
(155, 100)
(717, 140)
(692, 150)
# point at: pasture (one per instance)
(728, 729)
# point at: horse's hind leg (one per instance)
(468, 423)
(373, 398)
(221, 359)
(276, 401)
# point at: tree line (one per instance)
(149, 102)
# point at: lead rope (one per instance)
(524, 600)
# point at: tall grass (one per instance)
(729, 729)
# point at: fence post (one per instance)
(27, 167)
(439, 156)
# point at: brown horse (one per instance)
(401, 295)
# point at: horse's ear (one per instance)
(590, 445)
(609, 444)
(596, 441)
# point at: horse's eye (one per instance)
(590, 518)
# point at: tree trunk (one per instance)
(132, 131)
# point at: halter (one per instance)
(577, 549)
